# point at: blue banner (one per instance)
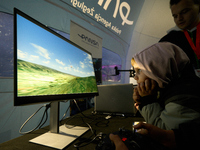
(119, 16)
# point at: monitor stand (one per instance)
(58, 137)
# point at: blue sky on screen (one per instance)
(39, 46)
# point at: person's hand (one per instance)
(165, 137)
(136, 96)
(136, 106)
(148, 87)
(119, 144)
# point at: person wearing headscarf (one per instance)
(168, 91)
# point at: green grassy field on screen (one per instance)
(34, 79)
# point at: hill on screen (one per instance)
(34, 79)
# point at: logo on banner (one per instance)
(89, 40)
(119, 7)
(86, 39)
(122, 7)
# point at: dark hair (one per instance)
(172, 2)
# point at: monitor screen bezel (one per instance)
(28, 100)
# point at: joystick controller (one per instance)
(131, 139)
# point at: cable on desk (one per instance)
(88, 140)
(40, 124)
(104, 122)
(80, 110)
(78, 145)
(72, 126)
(65, 111)
(101, 123)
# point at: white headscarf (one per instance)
(162, 62)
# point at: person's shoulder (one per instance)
(172, 35)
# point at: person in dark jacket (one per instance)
(168, 67)
(187, 17)
(171, 109)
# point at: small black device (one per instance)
(130, 71)
(131, 139)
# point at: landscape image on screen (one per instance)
(48, 65)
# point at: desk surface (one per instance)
(97, 122)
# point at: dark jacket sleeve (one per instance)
(178, 38)
(188, 135)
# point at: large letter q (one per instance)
(124, 18)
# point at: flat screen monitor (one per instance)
(47, 66)
(50, 68)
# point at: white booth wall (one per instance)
(154, 21)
